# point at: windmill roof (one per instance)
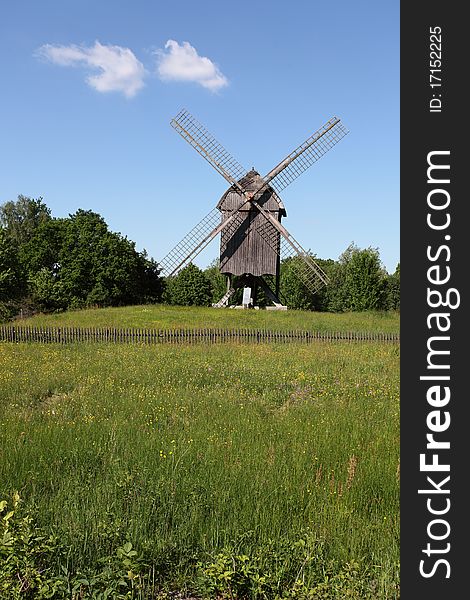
(268, 198)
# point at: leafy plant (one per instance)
(358, 281)
(274, 569)
(27, 555)
(33, 564)
(70, 262)
(189, 287)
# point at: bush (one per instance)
(358, 281)
(189, 287)
(278, 571)
(393, 290)
(70, 263)
(217, 280)
(33, 564)
(294, 293)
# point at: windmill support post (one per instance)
(252, 283)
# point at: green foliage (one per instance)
(365, 279)
(98, 267)
(190, 287)
(26, 555)
(278, 570)
(70, 263)
(293, 291)
(11, 280)
(41, 250)
(272, 568)
(119, 576)
(358, 281)
(217, 280)
(33, 564)
(393, 290)
(295, 294)
(21, 218)
(336, 295)
(46, 290)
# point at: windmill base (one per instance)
(249, 283)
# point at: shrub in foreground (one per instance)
(34, 565)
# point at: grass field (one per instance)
(165, 316)
(233, 471)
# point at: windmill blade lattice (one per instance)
(208, 147)
(300, 159)
(302, 264)
(197, 239)
(193, 243)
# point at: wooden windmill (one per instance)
(248, 216)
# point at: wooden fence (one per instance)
(71, 335)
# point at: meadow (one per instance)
(162, 316)
(223, 471)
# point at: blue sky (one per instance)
(89, 88)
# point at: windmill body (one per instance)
(242, 250)
(248, 215)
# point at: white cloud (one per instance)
(183, 63)
(118, 68)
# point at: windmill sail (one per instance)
(302, 263)
(208, 147)
(194, 242)
(211, 225)
(303, 157)
(197, 239)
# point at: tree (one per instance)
(19, 220)
(321, 298)
(97, 266)
(358, 281)
(46, 291)
(189, 287)
(42, 248)
(217, 280)
(149, 284)
(11, 281)
(22, 217)
(393, 290)
(365, 280)
(71, 262)
(294, 293)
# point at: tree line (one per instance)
(357, 282)
(53, 264)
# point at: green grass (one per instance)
(165, 316)
(188, 452)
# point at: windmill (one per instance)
(248, 216)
